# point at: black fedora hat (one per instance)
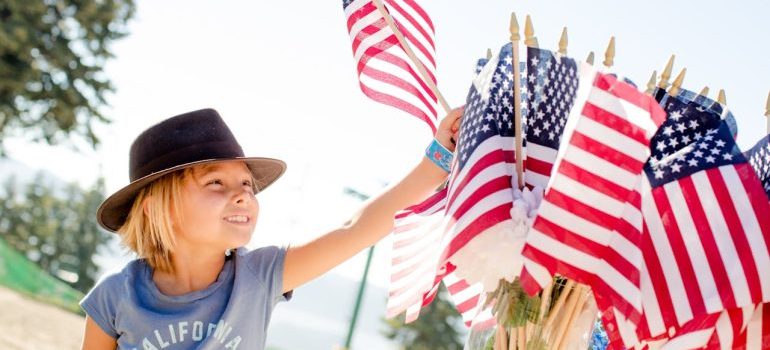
(193, 138)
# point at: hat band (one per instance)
(192, 153)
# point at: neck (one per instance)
(193, 271)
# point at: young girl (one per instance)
(187, 213)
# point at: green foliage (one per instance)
(436, 329)
(56, 229)
(52, 55)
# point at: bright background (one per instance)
(282, 75)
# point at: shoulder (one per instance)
(120, 277)
(261, 260)
(111, 290)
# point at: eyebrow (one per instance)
(205, 169)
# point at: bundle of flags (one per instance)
(648, 199)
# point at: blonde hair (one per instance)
(150, 234)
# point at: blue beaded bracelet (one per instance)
(439, 155)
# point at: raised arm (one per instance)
(373, 221)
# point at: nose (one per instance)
(243, 196)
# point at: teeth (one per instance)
(237, 218)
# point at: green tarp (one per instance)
(22, 275)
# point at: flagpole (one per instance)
(515, 37)
(420, 68)
(676, 86)
(767, 112)
(666, 74)
(721, 98)
(651, 83)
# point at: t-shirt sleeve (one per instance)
(267, 263)
(101, 304)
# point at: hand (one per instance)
(448, 131)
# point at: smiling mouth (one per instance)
(237, 219)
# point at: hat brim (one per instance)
(112, 213)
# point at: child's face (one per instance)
(218, 206)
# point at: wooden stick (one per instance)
(651, 83)
(420, 68)
(677, 84)
(513, 339)
(559, 303)
(721, 98)
(590, 58)
(767, 112)
(666, 74)
(582, 296)
(704, 92)
(515, 37)
(503, 337)
(522, 337)
(609, 55)
(563, 42)
(529, 33)
(557, 336)
(545, 298)
(489, 54)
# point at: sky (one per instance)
(282, 75)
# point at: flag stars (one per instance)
(727, 156)
(676, 167)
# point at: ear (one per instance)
(145, 205)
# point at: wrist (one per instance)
(439, 155)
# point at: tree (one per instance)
(435, 329)
(52, 55)
(55, 227)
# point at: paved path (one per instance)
(29, 324)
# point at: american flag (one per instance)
(385, 72)
(591, 194)
(706, 221)
(759, 158)
(552, 83)
(704, 242)
(478, 197)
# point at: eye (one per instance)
(247, 183)
(214, 182)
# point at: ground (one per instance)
(30, 324)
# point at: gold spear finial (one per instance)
(651, 83)
(529, 33)
(563, 42)
(489, 54)
(514, 28)
(677, 84)
(704, 92)
(767, 112)
(721, 98)
(767, 106)
(590, 58)
(663, 83)
(609, 55)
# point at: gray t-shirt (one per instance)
(231, 313)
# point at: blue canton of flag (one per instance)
(552, 80)
(704, 150)
(488, 112)
(759, 158)
(551, 85)
(686, 123)
(702, 103)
